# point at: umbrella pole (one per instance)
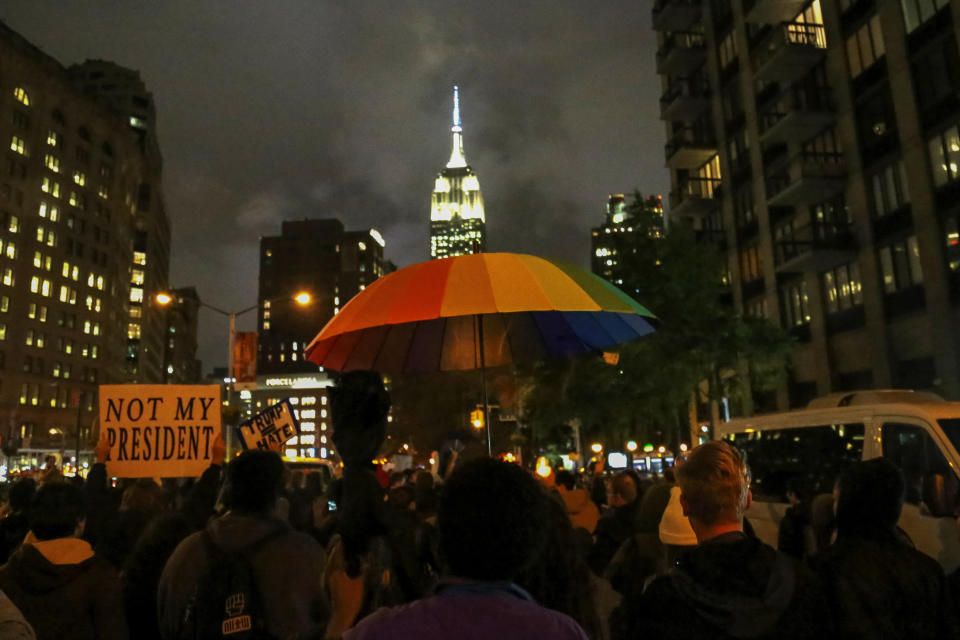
(483, 383)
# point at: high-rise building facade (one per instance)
(611, 241)
(69, 204)
(182, 313)
(457, 221)
(314, 256)
(124, 90)
(816, 141)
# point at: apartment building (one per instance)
(816, 143)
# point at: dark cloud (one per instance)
(307, 108)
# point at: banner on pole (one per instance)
(159, 430)
(270, 429)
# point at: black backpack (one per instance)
(226, 602)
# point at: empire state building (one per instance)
(457, 223)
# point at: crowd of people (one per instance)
(487, 550)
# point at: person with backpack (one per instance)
(248, 574)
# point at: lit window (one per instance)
(137, 278)
(34, 284)
(79, 178)
(362, 246)
(53, 138)
(266, 324)
(51, 187)
(20, 95)
(52, 162)
(139, 257)
(64, 293)
(136, 295)
(10, 250)
(102, 192)
(7, 277)
(46, 287)
(133, 331)
(100, 283)
(14, 225)
(17, 144)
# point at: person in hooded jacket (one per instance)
(878, 585)
(54, 578)
(730, 585)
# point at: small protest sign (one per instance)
(270, 429)
(159, 430)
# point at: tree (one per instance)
(700, 344)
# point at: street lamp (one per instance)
(632, 446)
(302, 298)
(596, 447)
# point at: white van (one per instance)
(920, 432)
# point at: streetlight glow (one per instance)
(632, 445)
(303, 298)
(163, 298)
(596, 447)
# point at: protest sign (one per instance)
(159, 430)
(270, 429)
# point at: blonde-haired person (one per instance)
(730, 585)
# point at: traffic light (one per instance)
(476, 418)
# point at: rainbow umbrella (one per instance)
(436, 315)
(477, 311)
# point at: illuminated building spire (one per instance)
(457, 159)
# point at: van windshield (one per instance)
(951, 427)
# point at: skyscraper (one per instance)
(72, 209)
(321, 258)
(124, 90)
(457, 222)
(612, 240)
(816, 141)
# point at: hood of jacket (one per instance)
(737, 583)
(45, 566)
(583, 512)
(234, 531)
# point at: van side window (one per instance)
(815, 455)
(912, 449)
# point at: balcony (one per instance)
(684, 101)
(809, 178)
(673, 15)
(772, 11)
(816, 247)
(689, 149)
(716, 237)
(695, 197)
(792, 50)
(796, 116)
(681, 54)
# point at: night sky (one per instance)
(310, 109)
